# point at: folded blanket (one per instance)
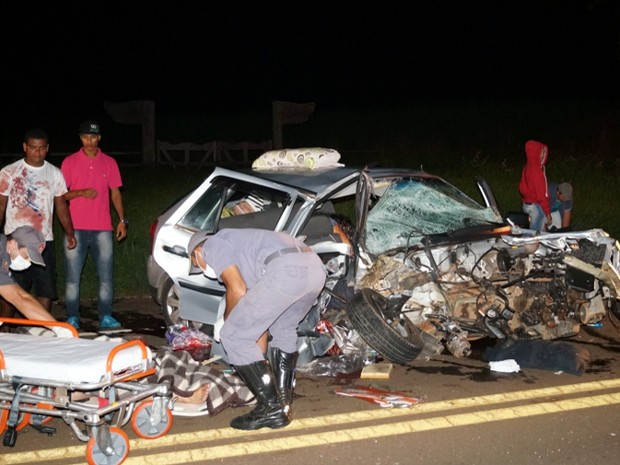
(186, 375)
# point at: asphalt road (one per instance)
(466, 414)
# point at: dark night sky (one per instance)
(61, 63)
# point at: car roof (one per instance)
(317, 180)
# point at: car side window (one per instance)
(330, 221)
(204, 213)
(230, 203)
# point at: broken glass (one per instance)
(411, 209)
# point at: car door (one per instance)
(226, 201)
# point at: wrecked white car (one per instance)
(436, 272)
(426, 268)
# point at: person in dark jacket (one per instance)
(533, 186)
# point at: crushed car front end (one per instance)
(438, 270)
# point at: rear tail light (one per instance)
(152, 231)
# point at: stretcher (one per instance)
(94, 386)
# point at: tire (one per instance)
(115, 455)
(615, 308)
(398, 341)
(23, 418)
(170, 303)
(171, 307)
(4, 416)
(142, 421)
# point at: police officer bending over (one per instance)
(272, 280)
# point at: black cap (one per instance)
(90, 127)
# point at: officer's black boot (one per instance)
(268, 412)
(284, 371)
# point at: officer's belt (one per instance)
(286, 251)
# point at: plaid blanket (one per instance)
(186, 375)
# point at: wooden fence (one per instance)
(184, 154)
(212, 153)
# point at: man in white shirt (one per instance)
(31, 190)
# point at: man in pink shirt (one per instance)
(93, 180)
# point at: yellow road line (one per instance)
(205, 436)
(205, 454)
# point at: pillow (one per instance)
(309, 158)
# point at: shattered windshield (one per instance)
(415, 207)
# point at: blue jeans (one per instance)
(100, 246)
(538, 220)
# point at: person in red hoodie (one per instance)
(533, 186)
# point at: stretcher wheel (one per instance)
(23, 419)
(114, 455)
(142, 421)
(26, 419)
(4, 416)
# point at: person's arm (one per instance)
(117, 202)
(3, 201)
(235, 291)
(88, 193)
(566, 218)
(235, 287)
(25, 302)
(64, 217)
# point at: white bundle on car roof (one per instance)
(309, 158)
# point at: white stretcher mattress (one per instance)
(66, 360)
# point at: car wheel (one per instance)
(380, 326)
(615, 308)
(171, 307)
(170, 303)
